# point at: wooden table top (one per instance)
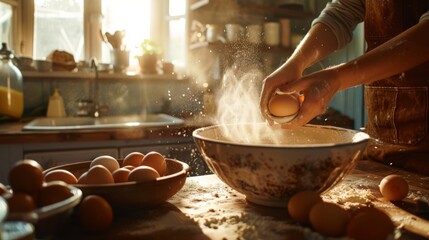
(206, 208)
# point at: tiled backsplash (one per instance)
(175, 97)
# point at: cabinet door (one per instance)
(185, 152)
(50, 159)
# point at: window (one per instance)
(8, 17)
(131, 16)
(58, 25)
(76, 26)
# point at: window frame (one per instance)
(92, 19)
(16, 22)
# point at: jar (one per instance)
(11, 86)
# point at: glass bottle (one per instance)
(11, 86)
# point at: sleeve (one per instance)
(342, 16)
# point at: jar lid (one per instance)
(5, 52)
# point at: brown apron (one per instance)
(397, 107)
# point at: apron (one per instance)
(397, 107)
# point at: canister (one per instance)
(11, 86)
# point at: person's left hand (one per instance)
(318, 89)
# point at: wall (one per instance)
(171, 96)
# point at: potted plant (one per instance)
(148, 61)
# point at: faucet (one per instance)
(92, 107)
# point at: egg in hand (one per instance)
(283, 107)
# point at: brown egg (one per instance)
(82, 178)
(20, 202)
(329, 219)
(143, 174)
(155, 160)
(300, 204)
(108, 161)
(53, 192)
(99, 174)
(370, 224)
(133, 159)
(394, 187)
(95, 213)
(26, 176)
(121, 175)
(61, 175)
(282, 105)
(129, 167)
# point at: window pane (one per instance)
(6, 24)
(133, 16)
(177, 7)
(58, 26)
(177, 44)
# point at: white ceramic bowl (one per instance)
(270, 170)
(49, 219)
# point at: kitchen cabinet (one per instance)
(50, 154)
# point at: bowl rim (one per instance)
(184, 170)
(363, 138)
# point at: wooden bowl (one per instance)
(133, 194)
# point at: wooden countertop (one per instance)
(206, 208)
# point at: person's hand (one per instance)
(318, 89)
(283, 75)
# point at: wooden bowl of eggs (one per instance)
(269, 164)
(138, 181)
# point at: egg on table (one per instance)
(394, 187)
(300, 204)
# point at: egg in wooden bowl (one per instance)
(145, 191)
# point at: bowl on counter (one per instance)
(43, 65)
(132, 195)
(269, 164)
(49, 219)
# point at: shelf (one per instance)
(63, 75)
(233, 45)
(215, 11)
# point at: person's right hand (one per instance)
(318, 89)
(288, 72)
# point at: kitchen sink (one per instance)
(120, 121)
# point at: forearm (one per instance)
(407, 50)
(318, 43)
